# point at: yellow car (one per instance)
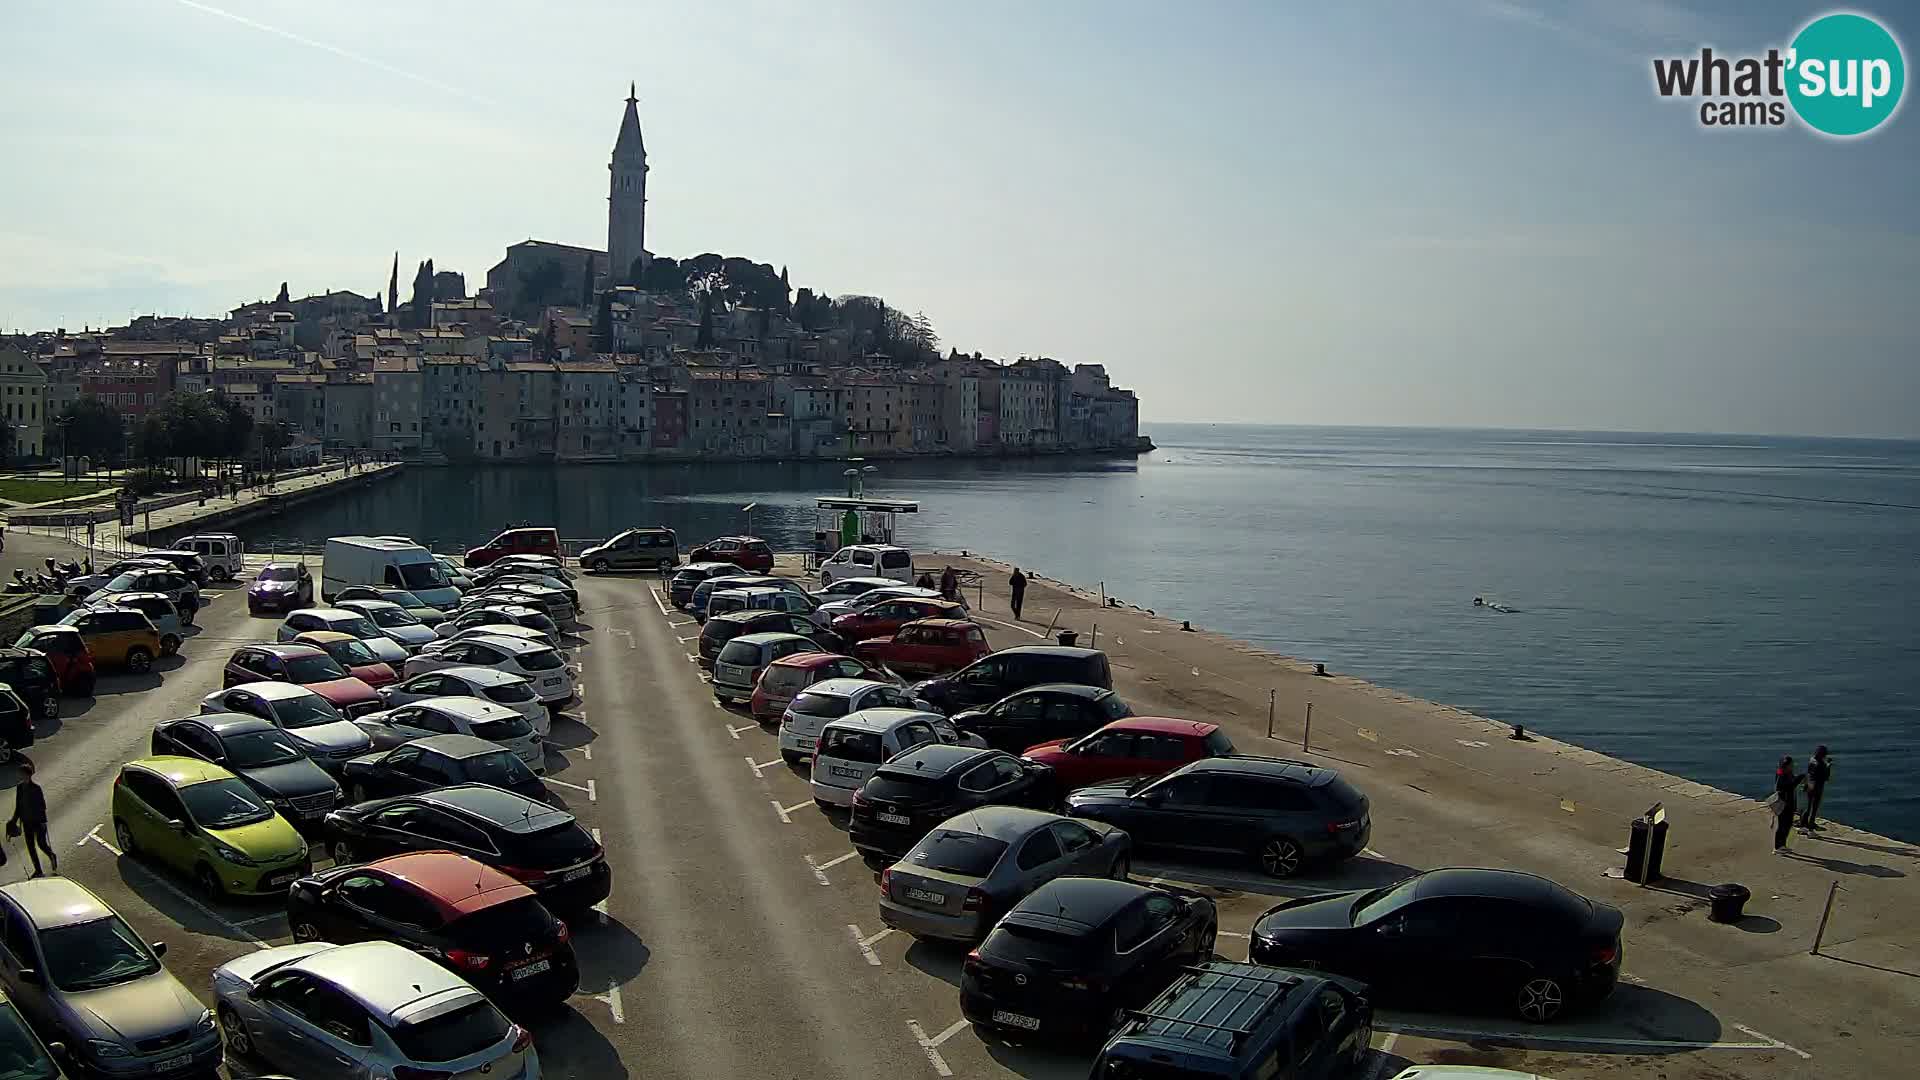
(206, 823)
(118, 637)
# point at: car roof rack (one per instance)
(1241, 987)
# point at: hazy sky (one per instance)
(1447, 212)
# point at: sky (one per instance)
(1395, 212)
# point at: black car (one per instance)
(187, 562)
(280, 586)
(439, 761)
(1071, 959)
(473, 919)
(260, 754)
(1041, 714)
(1227, 1021)
(906, 797)
(717, 631)
(688, 578)
(1513, 941)
(542, 847)
(1008, 671)
(1276, 812)
(30, 674)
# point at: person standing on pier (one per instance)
(1017, 585)
(1819, 771)
(1785, 783)
(949, 584)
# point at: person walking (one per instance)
(949, 583)
(1819, 771)
(1785, 783)
(30, 818)
(1017, 584)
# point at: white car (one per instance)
(345, 621)
(834, 609)
(552, 601)
(853, 747)
(868, 560)
(849, 587)
(541, 665)
(487, 684)
(311, 721)
(393, 620)
(524, 633)
(498, 614)
(497, 724)
(831, 699)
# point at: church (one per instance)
(537, 272)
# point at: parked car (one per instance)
(1077, 954)
(385, 560)
(1041, 713)
(393, 621)
(464, 915)
(320, 730)
(456, 574)
(345, 621)
(868, 560)
(1226, 1021)
(908, 796)
(506, 630)
(16, 723)
(159, 611)
(1134, 746)
(720, 629)
(847, 588)
(552, 602)
(540, 846)
(634, 549)
(32, 675)
(832, 699)
(223, 555)
(541, 665)
(82, 976)
(372, 1008)
(789, 675)
(280, 586)
(1277, 813)
(499, 687)
(750, 553)
(697, 601)
(1010, 671)
(266, 759)
(24, 1054)
(507, 574)
(681, 585)
(521, 541)
(185, 560)
(833, 609)
(457, 715)
(925, 647)
(428, 615)
(437, 761)
(738, 667)
(116, 637)
(1456, 937)
(961, 877)
(504, 614)
(207, 824)
(882, 619)
(301, 666)
(65, 648)
(726, 601)
(350, 653)
(851, 748)
(176, 586)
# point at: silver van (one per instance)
(634, 549)
(223, 554)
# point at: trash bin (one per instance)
(1647, 846)
(1068, 637)
(1727, 901)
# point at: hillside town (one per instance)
(572, 354)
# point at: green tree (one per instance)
(93, 428)
(664, 274)
(152, 441)
(232, 430)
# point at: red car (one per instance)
(301, 665)
(350, 653)
(749, 553)
(927, 647)
(526, 541)
(66, 650)
(787, 676)
(1135, 746)
(889, 616)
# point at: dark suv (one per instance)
(906, 797)
(688, 578)
(1278, 812)
(30, 674)
(717, 631)
(1243, 1022)
(996, 675)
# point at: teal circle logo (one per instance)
(1846, 74)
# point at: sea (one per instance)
(1701, 604)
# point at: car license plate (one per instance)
(277, 880)
(1014, 1019)
(925, 896)
(576, 874)
(553, 681)
(842, 770)
(534, 968)
(172, 1063)
(894, 819)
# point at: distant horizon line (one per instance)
(1667, 432)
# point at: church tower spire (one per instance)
(627, 196)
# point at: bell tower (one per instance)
(627, 196)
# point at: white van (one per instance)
(221, 553)
(868, 561)
(853, 747)
(385, 560)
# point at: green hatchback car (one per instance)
(205, 822)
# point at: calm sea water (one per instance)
(1699, 604)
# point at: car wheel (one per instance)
(305, 931)
(597, 566)
(139, 660)
(1121, 867)
(208, 883)
(124, 837)
(1281, 857)
(1205, 952)
(218, 573)
(1540, 999)
(234, 1031)
(186, 615)
(50, 705)
(169, 645)
(342, 851)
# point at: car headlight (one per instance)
(205, 1024)
(107, 1048)
(233, 854)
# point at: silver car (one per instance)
(481, 719)
(373, 1008)
(419, 608)
(346, 621)
(319, 730)
(484, 613)
(394, 621)
(499, 687)
(955, 884)
(80, 974)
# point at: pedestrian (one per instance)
(949, 583)
(1819, 771)
(925, 581)
(1785, 782)
(1018, 585)
(30, 818)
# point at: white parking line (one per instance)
(625, 633)
(593, 794)
(1231, 933)
(735, 731)
(692, 659)
(931, 1046)
(690, 637)
(757, 766)
(659, 603)
(781, 812)
(258, 919)
(612, 998)
(1532, 1038)
(865, 944)
(585, 751)
(94, 835)
(837, 860)
(802, 805)
(820, 868)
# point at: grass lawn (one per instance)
(37, 491)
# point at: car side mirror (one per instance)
(1151, 795)
(31, 976)
(177, 825)
(159, 947)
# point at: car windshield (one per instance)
(126, 582)
(957, 852)
(507, 727)
(512, 693)
(394, 616)
(405, 599)
(423, 575)
(1384, 901)
(223, 804)
(97, 954)
(359, 626)
(466, 1030)
(499, 768)
(280, 573)
(259, 749)
(313, 669)
(307, 710)
(20, 1055)
(540, 660)
(350, 652)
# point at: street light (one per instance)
(748, 510)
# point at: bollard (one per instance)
(1270, 702)
(1827, 911)
(1095, 643)
(1306, 733)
